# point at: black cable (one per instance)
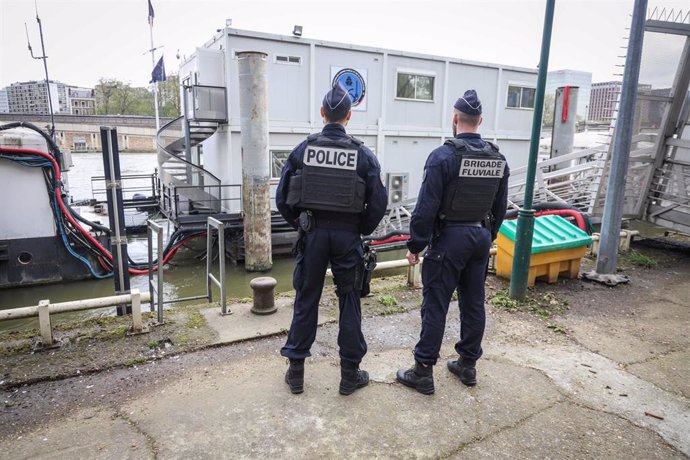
(84, 220)
(57, 154)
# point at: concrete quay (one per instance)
(615, 385)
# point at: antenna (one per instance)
(28, 42)
(44, 58)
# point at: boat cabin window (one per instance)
(278, 159)
(290, 60)
(520, 97)
(415, 85)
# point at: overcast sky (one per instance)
(91, 39)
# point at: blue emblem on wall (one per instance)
(353, 83)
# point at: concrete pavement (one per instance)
(616, 386)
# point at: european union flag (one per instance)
(158, 73)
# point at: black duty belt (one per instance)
(475, 223)
(337, 224)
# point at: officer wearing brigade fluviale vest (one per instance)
(330, 189)
(460, 207)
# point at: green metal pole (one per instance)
(525, 225)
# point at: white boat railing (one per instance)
(582, 178)
(576, 182)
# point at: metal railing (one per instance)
(179, 170)
(209, 103)
(44, 309)
(131, 184)
(175, 200)
(210, 278)
(577, 183)
(156, 288)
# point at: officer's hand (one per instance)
(413, 259)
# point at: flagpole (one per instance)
(155, 83)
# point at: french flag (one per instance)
(150, 14)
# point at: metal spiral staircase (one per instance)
(186, 188)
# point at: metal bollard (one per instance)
(262, 288)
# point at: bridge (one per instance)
(82, 132)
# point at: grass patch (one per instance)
(387, 300)
(118, 332)
(102, 322)
(557, 328)
(502, 301)
(393, 309)
(390, 288)
(542, 305)
(153, 344)
(182, 339)
(23, 348)
(641, 260)
(135, 361)
(195, 320)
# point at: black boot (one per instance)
(419, 377)
(352, 378)
(465, 370)
(294, 376)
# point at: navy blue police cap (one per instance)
(469, 103)
(337, 103)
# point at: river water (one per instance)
(184, 277)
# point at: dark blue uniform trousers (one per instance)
(343, 249)
(457, 259)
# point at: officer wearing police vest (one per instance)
(460, 206)
(331, 190)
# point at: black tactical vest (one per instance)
(470, 195)
(328, 180)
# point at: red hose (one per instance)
(566, 212)
(176, 247)
(392, 239)
(74, 223)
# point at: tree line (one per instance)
(114, 97)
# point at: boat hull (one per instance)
(29, 261)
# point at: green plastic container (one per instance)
(551, 233)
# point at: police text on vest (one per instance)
(473, 167)
(330, 157)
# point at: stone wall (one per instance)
(83, 133)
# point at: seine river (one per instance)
(183, 278)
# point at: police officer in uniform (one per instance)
(461, 205)
(331, 190)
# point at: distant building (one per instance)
(4, 101)
(32, 97)
(566, 77)
(605, 95)
(602, 101)
(81, 101)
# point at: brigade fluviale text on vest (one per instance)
(330, 157)
(470, 167)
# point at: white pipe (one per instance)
(73, 305)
